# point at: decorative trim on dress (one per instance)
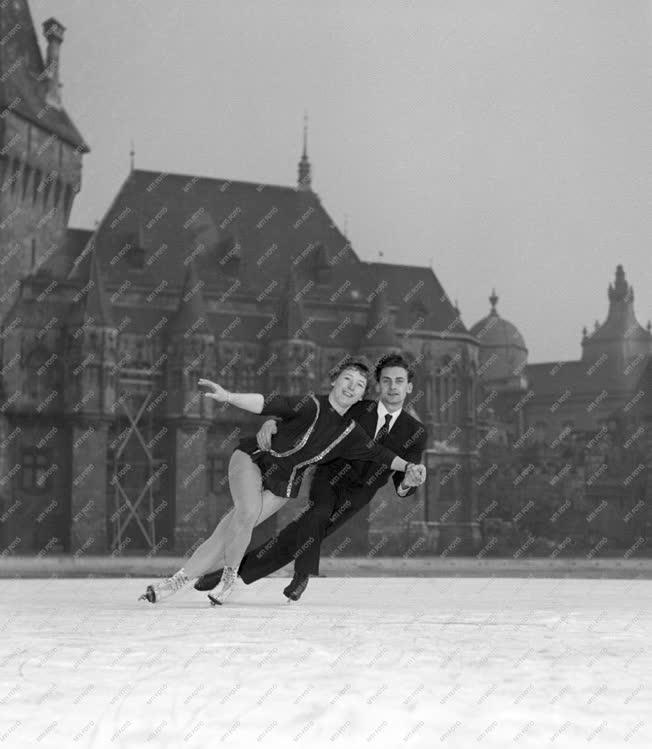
(299, 445)
(318, 457)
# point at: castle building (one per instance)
(107, 444)
(582, 423)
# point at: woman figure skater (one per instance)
(315, 429)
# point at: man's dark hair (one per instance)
(359, 363)
(393, 360)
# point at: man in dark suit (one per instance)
(340, 489)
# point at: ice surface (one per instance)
(358, 662)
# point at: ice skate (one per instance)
(159, 591)
(229, 579)
(208, 581)
(295, 589)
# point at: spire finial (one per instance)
(305, 179)
(132, 156)
(493, 299)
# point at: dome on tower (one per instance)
(503, 353)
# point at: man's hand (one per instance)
(265, 433)
(415, 475)
(217, 393)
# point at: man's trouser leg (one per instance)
(311, 527)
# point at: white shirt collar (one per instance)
(382, 412)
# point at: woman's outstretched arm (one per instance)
(252, 402)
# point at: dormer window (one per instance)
(134, 250)
(137, 257)
(229, 255)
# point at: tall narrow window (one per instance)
(57, 193)
(67, 201)
(36, 473)
(37, 185)
(26, 178)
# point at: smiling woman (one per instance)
(314, 429)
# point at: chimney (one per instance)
(53, 32)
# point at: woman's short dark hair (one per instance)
(359, 363)
(393, 360)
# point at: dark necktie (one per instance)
(382, 432)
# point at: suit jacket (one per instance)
(407, 438)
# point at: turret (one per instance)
(620, 338)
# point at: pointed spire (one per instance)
(191, 315)
(305, 178)
(618, 291)
(291, 317)
(132, 157)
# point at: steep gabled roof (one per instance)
(231, 229)
(22, 81)
(419, 299)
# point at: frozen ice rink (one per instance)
(358, 662)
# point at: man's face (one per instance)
(349, 387)
(393, 387)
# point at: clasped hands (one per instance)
(415, 475)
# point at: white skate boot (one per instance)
(229, 579)
(165, 588)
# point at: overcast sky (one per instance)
(508, 141)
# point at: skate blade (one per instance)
(214, 601)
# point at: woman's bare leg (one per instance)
(235, 528)
(226, 546)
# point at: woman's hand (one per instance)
(217, 393)
(265, 434)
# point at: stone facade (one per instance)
(105, 334)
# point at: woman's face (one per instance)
(349, 387)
